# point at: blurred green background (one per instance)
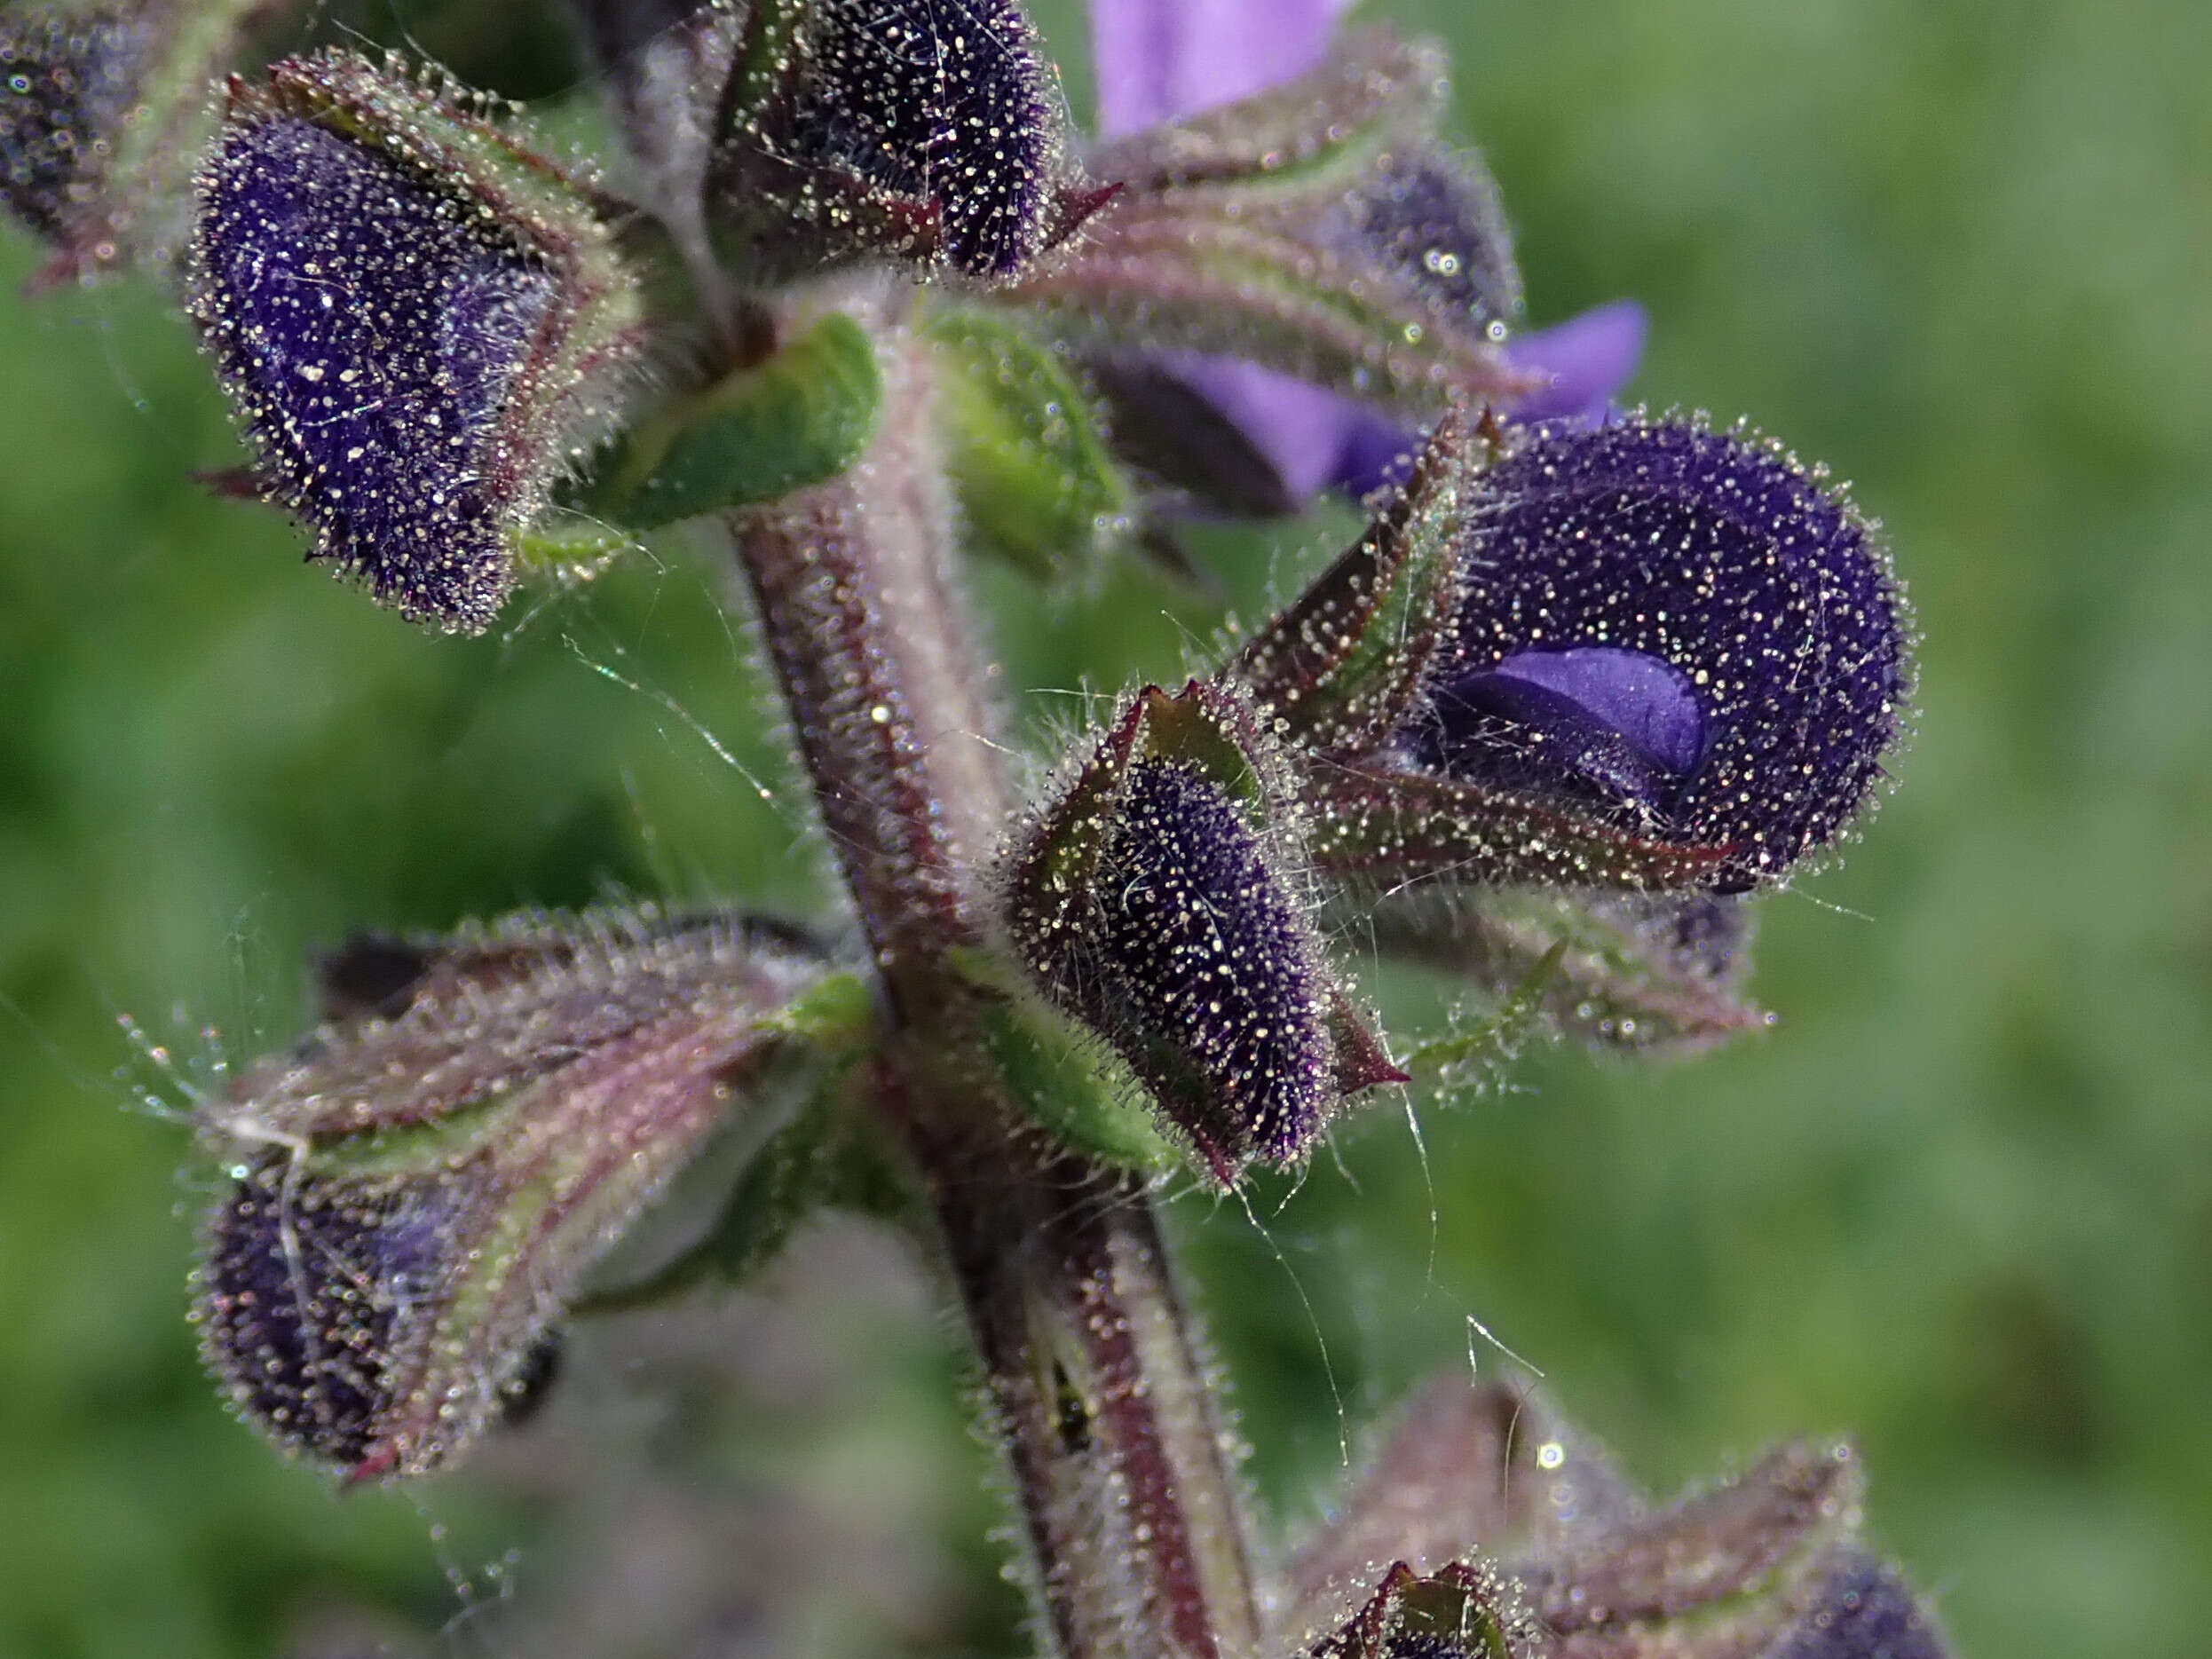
(1960, 1201)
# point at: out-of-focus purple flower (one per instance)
(1589, 358)
(1161, 59)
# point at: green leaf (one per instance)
(804, 415)
(1663, 972)
(1037, 483)
(1068, 1080)
(1487, 1048)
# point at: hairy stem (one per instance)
(1090, 1370)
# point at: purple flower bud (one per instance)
(305, 1283)
(1863, 1611)
(1573, 1564)
(1159, 900)
(413, 315)
(1434, 215)
(921, 128)
(1206, 952)
(103, 107)
(416, 1191)
(1683, 630)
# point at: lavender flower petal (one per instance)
(1647, 700)
(1316, 439)
(1300, 428)
(1157, 59)
(1589, 358)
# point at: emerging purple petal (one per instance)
(1684, 623)
(1300, 428)
(1590, 358)
(1158, 60)
(1647, 701)
(1316, 439)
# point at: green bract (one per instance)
(801, 416)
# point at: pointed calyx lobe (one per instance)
(1159, 898)
(1320, 228)
(1497, 1532)
(927, 131)
(418, 1189)
(419, 320)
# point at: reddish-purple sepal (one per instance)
(1161, 898)
(416, 1191)
(1479, 1489)
(1343, 667)
(1385, 826)
(1657, 974)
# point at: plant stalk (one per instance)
(1092, 1374)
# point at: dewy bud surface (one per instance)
(923, 130)
(415, 317)
(1159, 899)
(102, 109)
(1679, 630)
(65, 85)
(416, 1191)
(1207, 949)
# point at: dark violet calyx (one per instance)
(1434, 217)
(944, 101)
(1208, 956)
(1864, 1611)
(372, 329)
(926, 130)
(1679, 628)
(1161, 898)
(418, 318)
(305, 1283)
